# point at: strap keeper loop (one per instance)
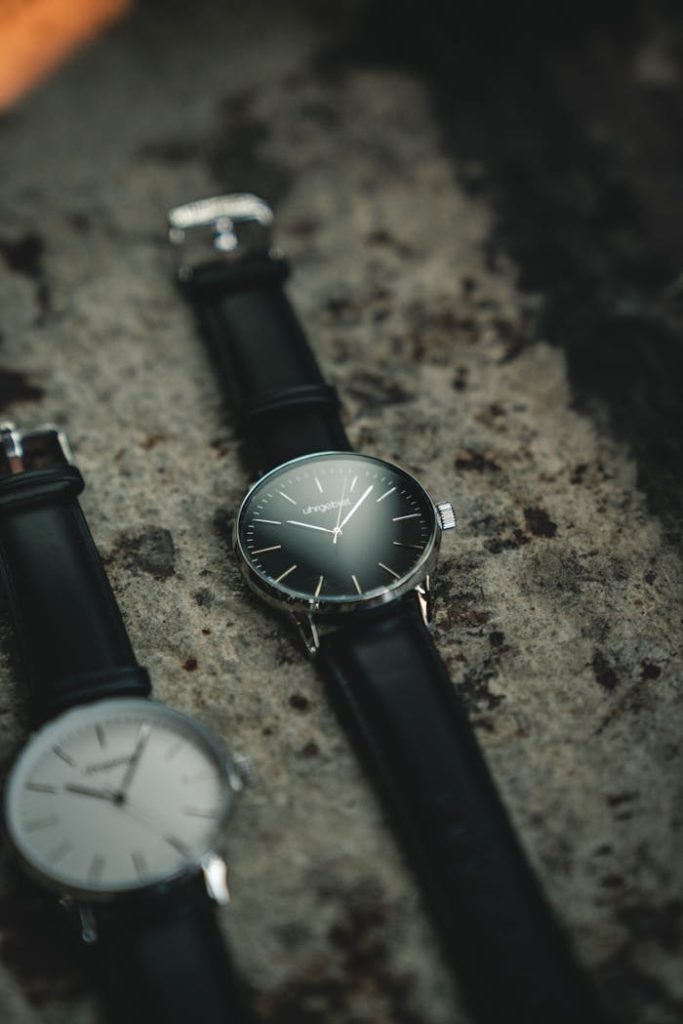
(305, 394)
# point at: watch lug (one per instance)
(86, 918)
(215, 872)
(88, 923)
(424, 599)
(308, 631)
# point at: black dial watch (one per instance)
(117, 803)
(344, 545)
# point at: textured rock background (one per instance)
(486, 239)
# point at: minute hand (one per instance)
(355, 507)
(134, 761)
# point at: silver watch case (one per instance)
(209, 864)
(297, 606)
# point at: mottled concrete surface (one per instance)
(487, 267)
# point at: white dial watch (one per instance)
(117, 803)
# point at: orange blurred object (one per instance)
(36, 35)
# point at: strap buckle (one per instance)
(226, 227)
(24, 450)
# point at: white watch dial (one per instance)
(117, 795)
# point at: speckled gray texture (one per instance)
(558, 606)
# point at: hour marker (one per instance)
(386, 494)
(59, 851)
(356, 584)
(33, 826)
(319, 586)
(143, 733)
(413, 515)
(400, 544)
(173, 749)
(196, 813)
(64, 756)
(96, 868)
(353, 484)
(40, 787)
(139, 862)
(285, 573)
(283, 495)
(273, 547)
(318, 484)
(102, 739)
(178, 845)
(390, 571)
(273, 522)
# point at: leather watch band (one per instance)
(72, 639)
(284, 407)
(165, 960)
(393, 690)
(391, 687)
(158, 956)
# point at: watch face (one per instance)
(336, 528)
(117, 795)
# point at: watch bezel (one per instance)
(278, 597)
(66, 891)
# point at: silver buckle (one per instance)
(225, 227)
(23, 450)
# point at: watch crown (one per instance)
(244, 770)
(445, 515)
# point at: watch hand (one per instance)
(309, 526)
(140, 814)
(355, 507)
(336, 530)
(133, 810)
(100, 794)
(134, 761)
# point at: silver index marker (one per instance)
(64, 756)
(390, 571)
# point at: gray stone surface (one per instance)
(558, 597)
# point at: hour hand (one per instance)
(310, 526)
(100, 794)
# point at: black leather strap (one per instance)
(392, 688)
(284, 407)
(160, 957)
(394, 693)
(165, 960)
(72, 640)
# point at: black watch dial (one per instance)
(336, 527)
